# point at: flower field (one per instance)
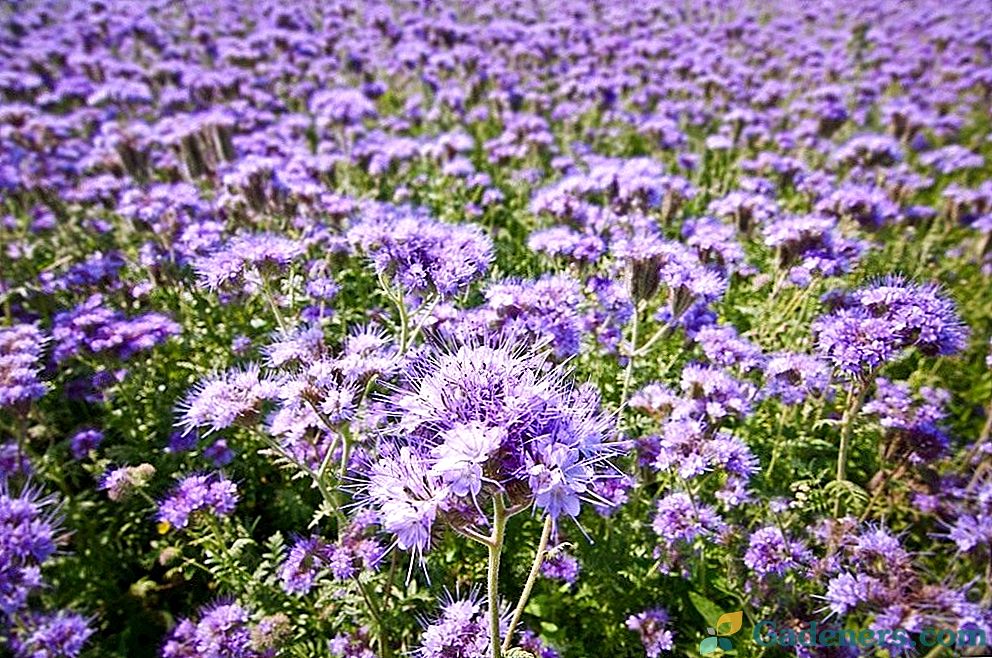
(522, 329)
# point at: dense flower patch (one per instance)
(481, 329)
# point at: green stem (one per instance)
(776, 446)
(495, 551)
(385, 650)
(855, 397)
(982, 438)
(404, 323)
(628, 373)
(535, 569)
(270, 299)
(661, 334)
(425, 313)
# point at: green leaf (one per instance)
(710, 611)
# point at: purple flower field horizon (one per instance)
(495, 329)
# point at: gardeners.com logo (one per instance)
(727, 624)
(766, 634)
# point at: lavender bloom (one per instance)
(94, 328)
(725, 348)
(406, 497)
(537, 311)
(867, 151)
(952, 158)
(461, 454)
(795, 377)
(236, 396)
(913, 427)
(84, 441)
(341, 106)
(810, 245)
(20, 353)
(770, 552)
(62, 634)
(353, 553)
(652, 626)
(462, 629)
(355, 644)
(13, 462)
(243, 259)
(420, 253)
(208, 494)
(479, 420)
(846, 591)
(869, 206)
(529, 641)
(679, 522)
(559, 565)
(713, 395)
(715, 242)
(29, 528)
(883, 320)
(224, 630)
(745, 209)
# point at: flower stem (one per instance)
(495, 551)
(628, 373)
(855, 397)
(535, 569)
(271, 301)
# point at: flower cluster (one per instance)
(198, 494)
(484, 421)
(20, 356)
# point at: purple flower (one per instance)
(868, 150)
(224, 630)
(680, 520)
(420, 253)
(847, 591)
(652, 626)
(29, 532)
(341, 106)
(220, 401)
(94, 328)
(769, 552)
(529, 641)
(462, 629)
(537, 311)
(207, 494)
(460, 456)
(406, 497)
(912, 426)
(725, 348)
(559, 565)
(61, 634)
(793, 377)
(120, 482)
(84, 441)
(20, 354)
(244, 259)
(882, 320)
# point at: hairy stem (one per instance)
(271, 301)
(855, 397)
(495, 551)
(628, 373)
(535, 569)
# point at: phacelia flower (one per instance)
(207, 494)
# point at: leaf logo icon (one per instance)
(730, 623)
